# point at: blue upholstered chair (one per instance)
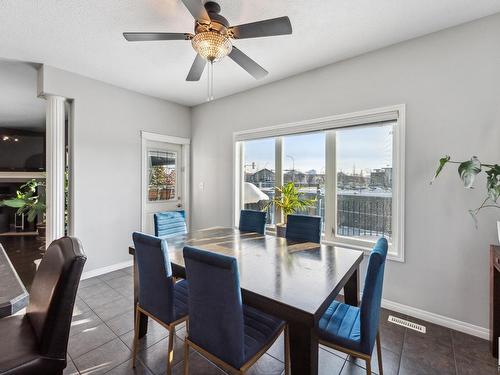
(221, 328)
(170, 223)
(354, 330)
(160, 297)
(253, 221)
(303, 228)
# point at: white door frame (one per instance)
(185, 144)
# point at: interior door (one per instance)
(163, 180)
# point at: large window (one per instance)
(350, 166)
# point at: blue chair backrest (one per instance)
(156, 285)
(170, 223)
(304, 228)
(215, 305)
(372, 295)
(253, 221)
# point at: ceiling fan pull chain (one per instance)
(210, 81)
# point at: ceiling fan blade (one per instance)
(143, 37)
(270, 27)
(196, 69)
(247, 63)
(197, 9)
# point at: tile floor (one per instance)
(25, 252)
(102, 332)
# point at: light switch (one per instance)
(202, 186)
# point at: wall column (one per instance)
(55, 166)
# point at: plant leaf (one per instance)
(493, 182)
(468, 170)
(14, 203)
(442, 163)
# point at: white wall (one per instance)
(107, 158)
(450, 83)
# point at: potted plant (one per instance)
(289, 200)
(30, 200)
(468, 170)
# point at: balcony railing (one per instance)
(364, 214)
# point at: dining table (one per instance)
(292, 280)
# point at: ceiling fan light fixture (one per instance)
(211, 45)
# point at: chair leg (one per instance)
(136, 336)
(379, 354)
(186, 357)
(368, 366)
(287, 351)
(170, 353)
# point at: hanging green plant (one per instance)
(468, 170)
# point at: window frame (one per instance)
(330, 124)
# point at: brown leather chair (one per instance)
(36, 343)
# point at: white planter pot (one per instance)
(498, 228)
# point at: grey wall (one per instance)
(450, 83)
(20, 109)
(107, 158)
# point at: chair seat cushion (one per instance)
(260, 330)
(181, 299)
(340, 325)
(20, 353)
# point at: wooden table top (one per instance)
(13, 294)
(305, 276)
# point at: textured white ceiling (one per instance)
(85, 37)
(19, 106)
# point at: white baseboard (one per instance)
(457, 325)
(107, 269)
(441, 320)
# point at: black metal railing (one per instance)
(364, 215)
(357, 214)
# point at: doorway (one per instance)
(165, 171)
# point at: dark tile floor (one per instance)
(102, 333)
(24, 252)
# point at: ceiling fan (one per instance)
(212, 38)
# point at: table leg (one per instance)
(143, 319)
(303, 350)
(351, 289)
